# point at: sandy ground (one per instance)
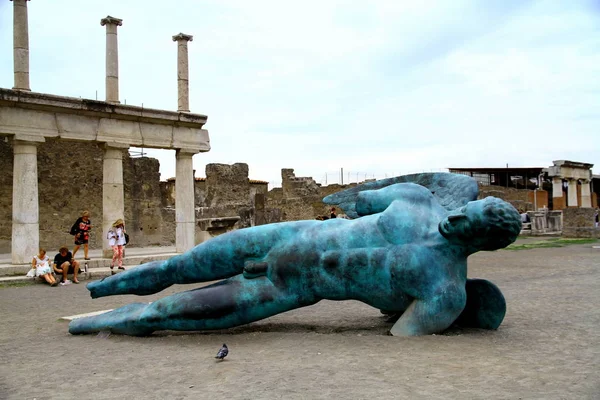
(547, 348)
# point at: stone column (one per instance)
(586, 197)
(572, 199)
(113, 204)
(25, 206)
(185, 216)
(557, 193)
(112, 58)
(183, 84)
(21, 45)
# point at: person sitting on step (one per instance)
(41, 264)
(65, 264)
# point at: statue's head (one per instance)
(487, 224)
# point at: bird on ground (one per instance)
(223, 351)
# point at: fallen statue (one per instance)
(404, 251)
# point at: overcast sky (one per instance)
(377, 88)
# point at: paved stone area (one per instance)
(547, 348)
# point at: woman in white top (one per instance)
(41, 264)
(116, 240)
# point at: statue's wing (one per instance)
(451, 190)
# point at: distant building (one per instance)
(570, 183)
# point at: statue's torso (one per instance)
(386, 260)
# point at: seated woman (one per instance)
(41, 264)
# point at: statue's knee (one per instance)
(150, 316)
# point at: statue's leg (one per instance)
(218, 258)
(433, 314)
(232, 302)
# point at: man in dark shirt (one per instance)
(64, 264)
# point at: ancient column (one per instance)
(112, 58)
(185, 216)
(183, 84)
(586, 196)
(25, 206)
(113, 204)
(557, 193)
(20, 45)
(572, 194)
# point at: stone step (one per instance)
(93, 264)
(96, 273)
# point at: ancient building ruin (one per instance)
(28, 120)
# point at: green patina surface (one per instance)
(404, 252)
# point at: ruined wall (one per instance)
(225, 192)
(580, 223)
(6, 181)
(299, 198)
(521, 199)
(70, 181)
(297, 187)
(149, 223)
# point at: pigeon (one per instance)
(223, 351)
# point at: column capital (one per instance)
(185, 153)
(28, 139)
(114, 146)
(111, 21)
(183, 37)
(21, 0)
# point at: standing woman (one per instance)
(81, 229)
(116, 240)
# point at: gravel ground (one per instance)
(548, 346)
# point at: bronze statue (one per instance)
(405, 253)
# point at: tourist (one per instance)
(41, 264)
(333, 214)
(65, 264)
(524, 217)
(116, 240)
(81, 229)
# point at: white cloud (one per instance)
(377, 88)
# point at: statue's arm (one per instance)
(375, 201)
(432, 314)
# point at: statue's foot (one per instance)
(97, 288)
(145, 279)
(124, 320)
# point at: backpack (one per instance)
(75, 228)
